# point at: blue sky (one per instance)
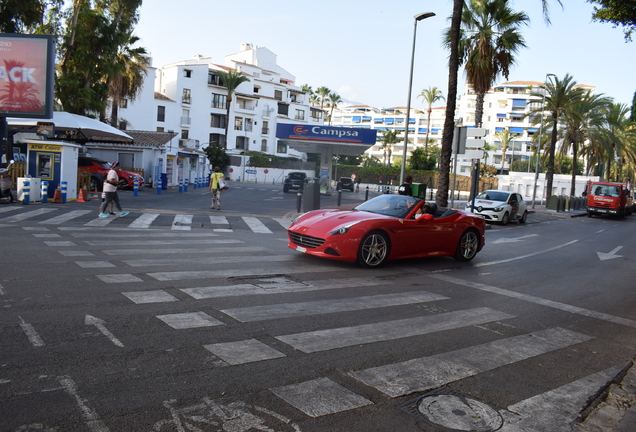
(361, 49)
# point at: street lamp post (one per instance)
(418, 17)
(536, 170)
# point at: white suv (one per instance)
(499, 206)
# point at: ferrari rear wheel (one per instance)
(374, 249)
(468, 246)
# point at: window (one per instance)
(238, 123)
(217, 139)
(185, 134)
(281, 148)
(242, 143)
(264, 146)
(186, 98)
(300, 115)
(265, 128)
(160, 129)
(278, 95)
(217, 120)
(257, 89)
(123, 103)
(219, 101)
(161, 113)
(316, 114)
(283, 109)
(187, 73)
(214, 79)
(248, 124)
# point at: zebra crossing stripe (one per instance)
(256, 225)
(100, 222)
(147, 242)
(204, 274)
(427, 373)
(65, 217)
(146, 234)
(216, 249)
(267, 312)
(285, 223)
(8, 209)
(182, 222)
(323, 340)
(205, 260)
(27, 215)
(219, 220)
(144, 221)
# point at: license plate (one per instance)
(301, 249)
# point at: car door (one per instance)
(514, 206)
(522, 206)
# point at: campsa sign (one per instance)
(325, 133)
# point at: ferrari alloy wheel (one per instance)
(374, 249)
(468, 246)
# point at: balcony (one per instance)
(186, 120)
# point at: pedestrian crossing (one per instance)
(270, 275)
(57, 217)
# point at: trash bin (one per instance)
(419, 190)
(164, 181)
(311, 194)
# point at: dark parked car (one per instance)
(294, 180)
(99, 170)
(345, 183)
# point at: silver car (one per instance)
(499, 206)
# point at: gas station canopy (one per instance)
(316, 139)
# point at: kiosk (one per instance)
(54, 161)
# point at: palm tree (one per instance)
(430, 96)
(389, 138)
(323, 92)
(334, 100)
(313, 99)
(618, 141)
(559, 98)
(489, 40)
(505, 137)
(231, 80)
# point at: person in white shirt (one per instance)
(110, 188)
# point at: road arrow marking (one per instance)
(611, 255)
(91, 320)
(513, 240)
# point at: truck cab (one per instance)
(608, 198)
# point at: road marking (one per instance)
(154, 296)
(323, 340)
(320, 397)
(171, 251)
(513, 240)
(75, 253)
(119, 278)
(256, 225)
(100, 222)
(182, 222)
(245, 351)
(421, 374)
(47, 235)
(31, 334)
(94, 264)
(188, 320)
(204, 274)
(99, 324)
(611, 255)
(1, 290)
(219, 220)
(206, 260)
(27, 215)
(59, 243)
(144, 234)
(151, 242)
(558, 407)
(285, 223)
(66, 217)
(144, 221)
(91, 417)
(287, 310)
(524, 256)
(538, 300)
(8, 209)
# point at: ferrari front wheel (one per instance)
(374, 249)
(468, 246)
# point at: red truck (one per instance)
(606, 198)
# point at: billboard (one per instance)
(26, 75)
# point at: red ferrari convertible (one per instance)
(385, 228)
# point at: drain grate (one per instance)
(454, 411)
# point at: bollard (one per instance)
(159, 186)
(64, 187)
(185, 184)
(273, 181)
(195, 183)
(136, 188)
(339, 197)
(299, 198)
(239, 179)
(366, 195)
(45, 191)
(255, 180)
(26, 192)
(180, 185)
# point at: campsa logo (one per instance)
(300, 130)
(334, 132)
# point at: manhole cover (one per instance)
(454, 411)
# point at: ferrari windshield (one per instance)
(389, 205)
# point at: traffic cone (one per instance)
(79, 196)
(57, 197)
(85, 194)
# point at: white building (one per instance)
(188, 97)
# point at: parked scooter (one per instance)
(6, 182)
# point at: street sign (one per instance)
(475, 143)
(250, 171)
(475, 132)
(473, 154)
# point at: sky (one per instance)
(362, 49)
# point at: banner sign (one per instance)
(26, 75)
(326, 133)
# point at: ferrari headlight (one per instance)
(297, 218)
(343, 229)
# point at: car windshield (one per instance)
(494, 195)
(389, 205)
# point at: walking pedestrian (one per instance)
(110, 189)
(405, 188)
(215, 187)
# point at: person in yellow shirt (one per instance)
(215, 187)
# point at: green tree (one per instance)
(505, 137)
(429, 97)
(489, 40)
(217, 156)
(230, 79)
(618, 13)
(632, 117)
(323, 93)
(422, 160)
(26, 16)
(389, 138)
(334, 100)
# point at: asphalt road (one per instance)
(178, 317)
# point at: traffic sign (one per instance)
(250, 171)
